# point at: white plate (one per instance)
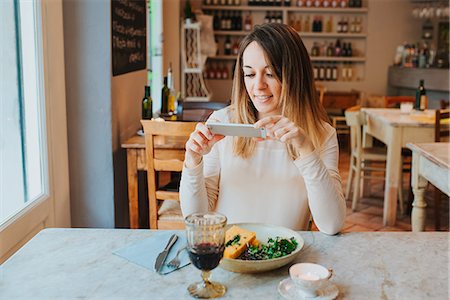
(290, 291)
(263, 233)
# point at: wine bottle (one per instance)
(421, 97)
(227, 50)
(171, 100)
(165, 98)
(147, 104)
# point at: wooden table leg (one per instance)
(132, 175)
(393, 161)
(419, 184)
(367, 142)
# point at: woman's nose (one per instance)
(260, 82)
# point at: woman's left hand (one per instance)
(281, 128)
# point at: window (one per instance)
(22, 153)
(34, 184)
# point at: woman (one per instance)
(292, 173)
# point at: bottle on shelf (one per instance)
(315, 51)
(212, 72)
(317, 3)
(349, 50)
(147, 104)
(350, 72)
(225, 74)
(227, 47)
(330, 50)
(248, 22)
(337, 48)
(298, 23)
(421, 97)
(308, 3)
(286, 2)
(300, 3)
(334, 73)
(343, 3)
(235, 47)
(165, 98)
(321, 72)
(171, 104)
(216, 21)
(307, 25)
(329, 24)
(328, 73)
(326, 3)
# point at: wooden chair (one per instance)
(363, 158)
(164, 206)
(191, 110)
(320, 89)
(442, 134)
(395, 101)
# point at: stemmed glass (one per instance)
(205, 234)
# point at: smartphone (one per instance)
(233, 129)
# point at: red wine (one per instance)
(206, 256)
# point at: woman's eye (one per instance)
(249, 75)
(269, 75)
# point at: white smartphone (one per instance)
(233, 129)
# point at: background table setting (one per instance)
(91, 263)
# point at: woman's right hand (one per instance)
(200, 143)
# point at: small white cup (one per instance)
(309, 277)
(406, 107)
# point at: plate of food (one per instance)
(255, 248)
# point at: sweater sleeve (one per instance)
(323, 184)
(199, 186)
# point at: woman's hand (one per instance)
(281, 128)
(199, 143)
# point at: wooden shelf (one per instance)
(223, 57)
(331, 35)
(286, 8)
(230, 32)
(337, 59)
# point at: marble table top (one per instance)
(394, 117)
(79, 263)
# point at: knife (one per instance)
(163, 255)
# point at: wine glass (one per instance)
(205, 234)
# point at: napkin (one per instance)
(145, 252)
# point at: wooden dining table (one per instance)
(80, 264)
(431, 163)
(396, 129)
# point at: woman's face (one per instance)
(262, 87)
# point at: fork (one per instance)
(175, 262)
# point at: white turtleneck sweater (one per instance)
(269, 187)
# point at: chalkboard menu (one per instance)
(128, 30)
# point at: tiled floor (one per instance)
(369, 213)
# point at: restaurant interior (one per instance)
(116, 74)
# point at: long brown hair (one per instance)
(291, 66)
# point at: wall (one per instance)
(127, 93)
(390, 23)
(102, 111)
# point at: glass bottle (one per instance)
(421, 97)
(170, 84)
(147, 104)
(165, 98)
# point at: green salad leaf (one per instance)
(275, 247)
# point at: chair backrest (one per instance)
(394, 101)
(320, 89)
(442, 125)
(169, 156)
(355, 120)
(200, 110)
